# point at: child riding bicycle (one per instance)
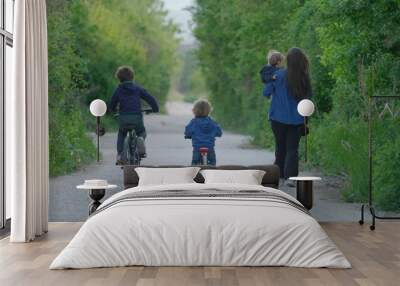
(127, 96)
(202, 130)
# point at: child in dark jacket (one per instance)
(203, 131)
(127, 97)
(275, 60)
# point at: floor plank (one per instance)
(375, 257)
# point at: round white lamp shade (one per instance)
(306, 107)
(98, 107)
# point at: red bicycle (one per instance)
(204, 154)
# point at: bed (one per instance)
(197, 224)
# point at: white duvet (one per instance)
(200, 231)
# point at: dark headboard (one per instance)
(271, 177)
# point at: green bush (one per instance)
(69, 145)
(125, 32)
(342, 148)
(354, 51)
(386, 167)
(87, 41)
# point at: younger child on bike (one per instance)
(202, 130)
(127, 96)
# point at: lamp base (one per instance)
(96, 195)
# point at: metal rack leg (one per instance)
(371, 209)
(374, 216)
(361, 221)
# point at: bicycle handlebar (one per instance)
(147, 110)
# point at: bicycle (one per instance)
(131, 154)
(203, 153)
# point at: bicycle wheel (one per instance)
(130, 150)
(135, 156)
(125, 156)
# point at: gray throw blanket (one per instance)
(205, 194)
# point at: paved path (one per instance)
(166, 145)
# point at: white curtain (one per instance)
(28, 124)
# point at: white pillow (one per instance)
(248, 177)
(166, 176)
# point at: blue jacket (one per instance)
(202, 131)
(267, 73)
(283, 105)
(128, 95)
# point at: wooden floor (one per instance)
(375, 257)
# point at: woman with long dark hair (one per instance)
(288, 88)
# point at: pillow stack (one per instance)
(247, 177)
(186, 175)
(166, 176)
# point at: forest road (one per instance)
(166, 145)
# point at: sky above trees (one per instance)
(179, 14)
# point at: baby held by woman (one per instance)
(274, 62)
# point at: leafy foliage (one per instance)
(88, 40)
(354, 51)
(125, 32)
(191, 79)
(70, 147)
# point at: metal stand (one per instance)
(370, 206)
(305, 139)
(96, 195)
(98, 137)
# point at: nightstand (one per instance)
(97, 190)
(304, 190)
